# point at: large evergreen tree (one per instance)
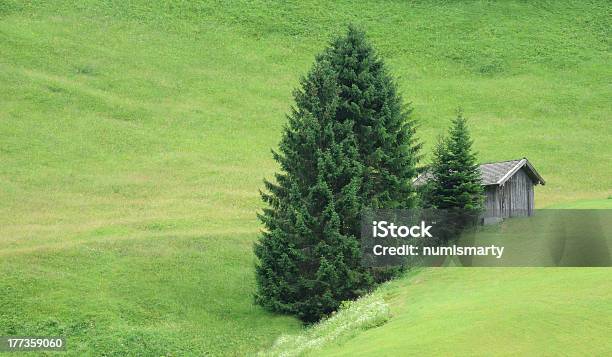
(309, 258)
(456, 181)
(349, 145)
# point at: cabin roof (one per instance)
(496, 173)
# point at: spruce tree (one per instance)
(308, 255)
(456, 182)
(349, 145)
(384, 129)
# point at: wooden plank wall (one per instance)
(492, 203)
(515, 198)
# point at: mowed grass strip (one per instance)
(491, 311)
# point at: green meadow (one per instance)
(134, 136)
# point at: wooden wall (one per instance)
(492, 204)
(515, 198)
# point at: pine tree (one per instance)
(349, 145)
(384, 129)
(456, 183)
(309, 258)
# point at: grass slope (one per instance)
(134, 136)
(492, 311)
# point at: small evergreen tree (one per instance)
(309, 256)
(456, 183)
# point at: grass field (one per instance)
(134, 136)
(584, 204)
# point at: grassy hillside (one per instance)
(134, 136)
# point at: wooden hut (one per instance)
(509, 187)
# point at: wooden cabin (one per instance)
(509, 188)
